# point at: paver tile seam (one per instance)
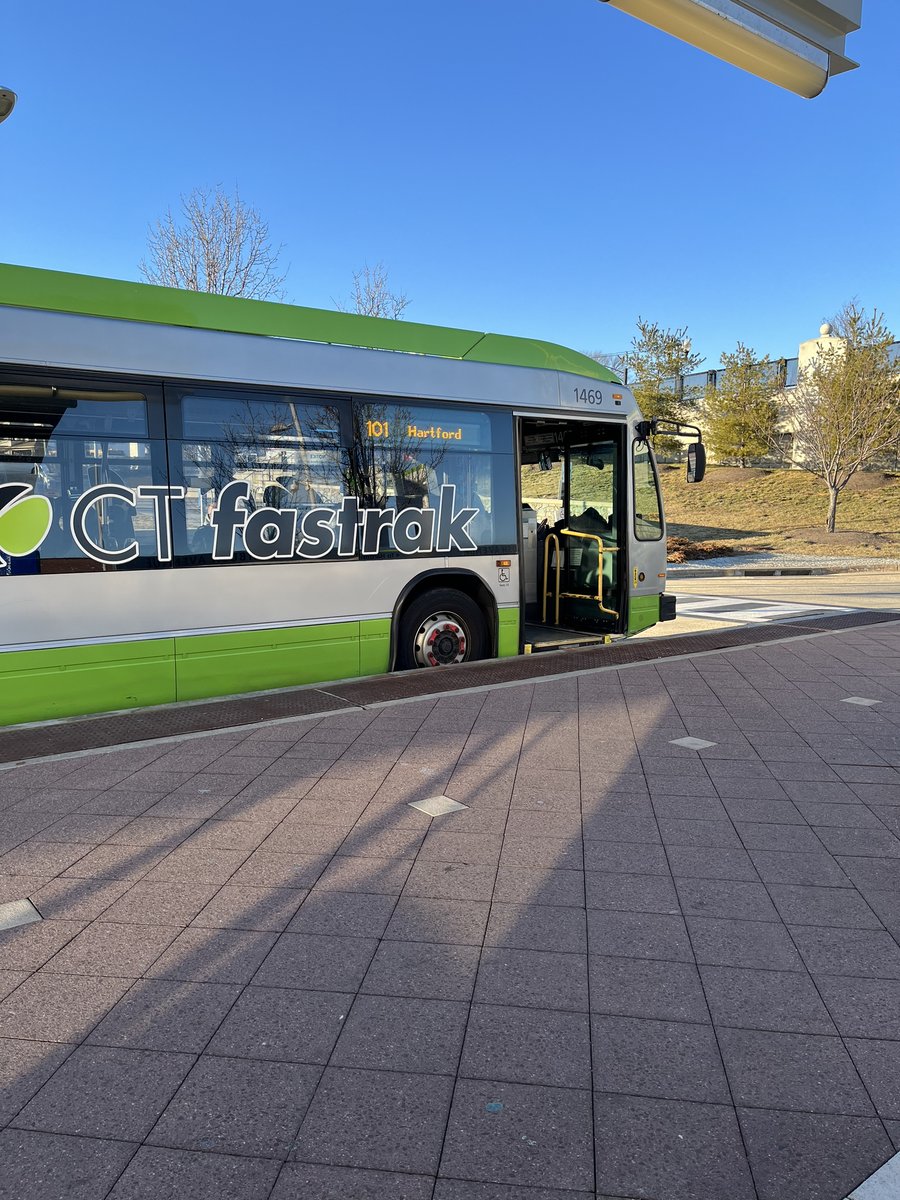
(505, 907)
(522, 738)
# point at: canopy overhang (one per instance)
(796, 44)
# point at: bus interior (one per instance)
(573, 533)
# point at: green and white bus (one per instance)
(202, 496)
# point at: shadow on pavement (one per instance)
(626, 969)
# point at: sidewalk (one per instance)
(770, 562)
(627, 968)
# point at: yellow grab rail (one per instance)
(601, 548)
(551, 537)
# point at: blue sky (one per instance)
(548, 169)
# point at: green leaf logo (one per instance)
(24, 524)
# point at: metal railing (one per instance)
(785, 375)
(556, 594)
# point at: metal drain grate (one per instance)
(95, 732)
(437, 806)
(18, 912)
(883, 1185)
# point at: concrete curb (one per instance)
(674, 571)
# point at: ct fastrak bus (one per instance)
(202, 496)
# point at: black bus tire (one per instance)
(439, 628)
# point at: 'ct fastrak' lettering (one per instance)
(266, 533)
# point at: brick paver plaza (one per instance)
(626, 969)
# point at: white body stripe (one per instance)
(111, 605)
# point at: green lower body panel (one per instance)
(508, 633)
(40, 685)
(643, 611)
(224, 664)
(374, 646)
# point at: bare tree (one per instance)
(216, 243)
(617, 361)
(372, 297)
(846, 406)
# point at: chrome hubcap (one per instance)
(441, 640)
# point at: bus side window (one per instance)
(647, 505)
(407, 453)
(286, 450)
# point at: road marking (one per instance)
(750, 612)
(706, 602)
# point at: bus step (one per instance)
(540, 637)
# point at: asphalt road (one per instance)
(731, 601)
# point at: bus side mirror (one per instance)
(696, 462)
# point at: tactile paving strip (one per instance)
(410, 684)
(93, 733)
(849, 620)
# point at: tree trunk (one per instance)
(832, 508)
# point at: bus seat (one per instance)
(588, 568)
(584, 554)
(119, 524)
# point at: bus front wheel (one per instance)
(439, 629)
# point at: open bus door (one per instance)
(574, 521)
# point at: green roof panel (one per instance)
(527, 352)
(58, 291)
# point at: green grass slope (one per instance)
(755, 509)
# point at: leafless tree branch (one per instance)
(846, 406)
(372, 297)
(217, 243)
